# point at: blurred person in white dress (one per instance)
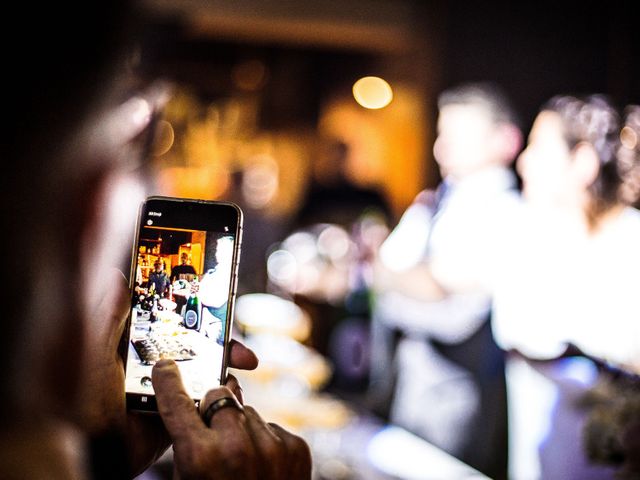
(576, 283)
(564, 276)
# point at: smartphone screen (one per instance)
(183, 283)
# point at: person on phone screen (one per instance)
(74, 175)
(214, 290)
(184, 270)
(158, 279)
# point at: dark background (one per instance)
(534, 50)
(539, 49)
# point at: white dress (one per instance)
(556, 284)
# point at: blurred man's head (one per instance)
(65, 192)
(477, 128)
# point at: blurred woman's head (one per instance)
(573, 157)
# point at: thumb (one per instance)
(177, 409)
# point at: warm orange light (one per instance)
(207, 182)
(372, 92)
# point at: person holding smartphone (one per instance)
(74, 170)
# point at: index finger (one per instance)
(176, 407)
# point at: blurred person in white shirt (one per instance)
(433, 346)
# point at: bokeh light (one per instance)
(372, 92)
(165, 136)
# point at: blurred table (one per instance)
(257, 313)
(346, 442)
(366, 448)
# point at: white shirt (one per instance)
(555, 283)
(458, 236)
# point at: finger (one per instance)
(241, 356)
(236, 451)
(299, 454)
(233, 385)
(225, 418)
(176, 408)
(271, 449)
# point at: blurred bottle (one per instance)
(154, 308)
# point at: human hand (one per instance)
(237, 443)
(103, 392)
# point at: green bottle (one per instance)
(192, 314)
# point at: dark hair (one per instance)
(63, 70)
(485, 94)
(594, 119)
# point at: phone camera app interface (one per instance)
(179, 306)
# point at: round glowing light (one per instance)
(250, 75)
(372, 92)
(282, 267)
(628, 138)
(164, 138)
(333, 242)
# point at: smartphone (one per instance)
(183, 285)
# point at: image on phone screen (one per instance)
(180, 303)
